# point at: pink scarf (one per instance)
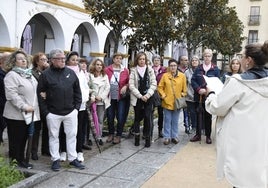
(141, 70)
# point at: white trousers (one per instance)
(70, 128)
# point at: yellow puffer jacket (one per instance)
(165, 88)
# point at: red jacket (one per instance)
(124, 77)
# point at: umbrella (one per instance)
(94, 123)
(200, 112)
(27, 39)
(30, 138)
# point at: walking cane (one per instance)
(30, 139)
(200, 116)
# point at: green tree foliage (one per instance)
(213, 24)
(154, 23)
(115, 13)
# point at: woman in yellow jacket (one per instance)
(171, 86)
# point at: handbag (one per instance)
(28, 117)
(179, 103)
(156, 99)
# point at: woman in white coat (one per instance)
(241, 126)
(20, 89)
(100, 94)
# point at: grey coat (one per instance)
(20, 93)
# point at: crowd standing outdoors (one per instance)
(65, 92)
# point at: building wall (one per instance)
(61, 20)
(243, 11)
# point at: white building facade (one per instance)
(254, 15)
(42, 25)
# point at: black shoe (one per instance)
(208, 140)
(100, 142)
(147, 142)
(46, 153)
(187, 130)
(75, 163)
(90, 142)
(56, 165)
(86, 147)
(34, 156)
(25, 165)
(175, 140)
(195, 138)
(137, 140)
(160, 134)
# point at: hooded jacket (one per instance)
(241, 129)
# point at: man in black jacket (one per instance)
(60, 98)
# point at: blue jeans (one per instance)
(191, 108)
(171, 123)
(118, 109)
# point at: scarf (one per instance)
(75, 68)
(27, 73)
(141, 70)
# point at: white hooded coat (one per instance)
(242, 131)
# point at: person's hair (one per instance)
(69, 55)
(231, 62)
(92, 67)
(54, 52)
(83, 60)
(172, 61)
(194, 57)
(156, 56)
(11, 60)
(180, 57)
(208, 51)
(118, 54)
(36, 58)
(258, 52)
(136, 61)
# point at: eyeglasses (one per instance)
(21, 59)
(43, 59)
(59, 58)
(173, 65)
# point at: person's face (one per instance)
(98, 66)
(73, 61)
(83, 66)
(21, 61)
(43, 62)
(207, 58)
(58, 60)
(194, 62)
(141, 61)
(157, 62)
(244, 62)
(235, 65)
(117, 60)
(173, 67)
(184, 61)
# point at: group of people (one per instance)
(61, 95)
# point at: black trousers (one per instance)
(35, 143)
(17, 131)
(143, 110)
(203, 120)
(45, 143)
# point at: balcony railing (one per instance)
(250, 41)
(254, 20)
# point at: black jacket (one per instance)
(63, 93)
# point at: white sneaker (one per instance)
(63, 156)
(80, 157)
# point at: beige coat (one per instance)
(134, 84)
(20, 93)
(242, 131)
